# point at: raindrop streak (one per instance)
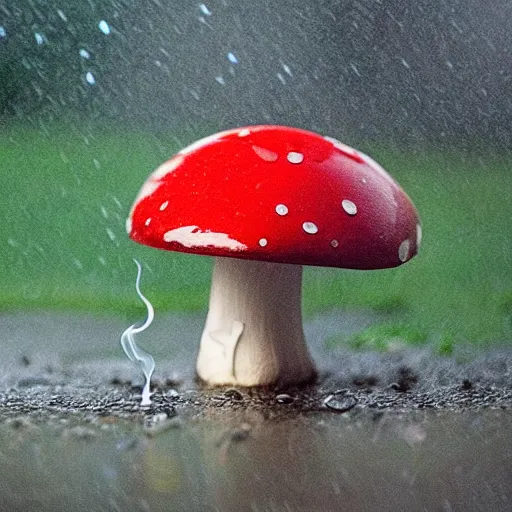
(40, 39)
(3, 33)
(232, 58)
(89, 77)
(205, 10)
(104, 27)
(135, 353)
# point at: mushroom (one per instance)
(265, 200)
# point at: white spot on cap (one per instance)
(419, 235)
(164, 205)
(281, 209)
(349, 206)
(265, 154)
(403, 250)
(310, 227)
(191, 236)
(334, 243)
(295, 158)
(263, 242)
(244, 132)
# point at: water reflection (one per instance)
(428, 461)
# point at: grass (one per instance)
(65, 197)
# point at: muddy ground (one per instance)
(61, 364)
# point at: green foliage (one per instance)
(387, 337)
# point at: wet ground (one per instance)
(406, 430)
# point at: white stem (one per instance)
(253, 334)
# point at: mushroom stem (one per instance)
(253, 334)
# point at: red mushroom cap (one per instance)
(277, 194)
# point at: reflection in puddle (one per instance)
(240, 462)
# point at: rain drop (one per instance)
(62, 16)
(84, 53)
(205, 10)
(40, 38)
(104, 27)
(219, 79)
(419, 235)
(89, 77)
(164, 205)
(349, 207)
(3, 33)
(295, 158)
(232, 58)
(148, 222)
(310, 228)
(263, 242)
(335, 243)
(287, 70)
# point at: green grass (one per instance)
(65, 197)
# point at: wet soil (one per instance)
(60, 364)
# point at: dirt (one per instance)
(60, 365)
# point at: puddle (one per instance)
(323, 462)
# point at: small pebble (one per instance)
(284, 398)
(340, 403)
(233, 394)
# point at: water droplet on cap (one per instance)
(263, 242)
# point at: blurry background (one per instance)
(95, 94)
